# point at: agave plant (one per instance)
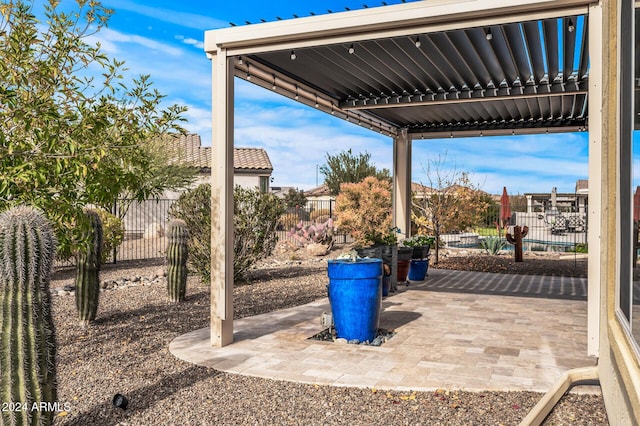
(492, 244)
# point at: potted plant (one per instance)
(355, 295)
(421, 245)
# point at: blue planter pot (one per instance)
(418, 270)
(355, 294)
(386, 285)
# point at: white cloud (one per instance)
(172, 16)
(111, 39)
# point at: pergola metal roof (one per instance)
(500, 78)
(455, 80)
(524, 76)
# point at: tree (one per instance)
(294, 198)
(348, 168)
(453, 204)
(73, 131)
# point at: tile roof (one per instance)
(251, 159)
(188, 149)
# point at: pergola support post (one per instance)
(222, 201)
(402, 183)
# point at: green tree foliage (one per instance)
(346, 167)
(255, 219)
(73, 130)
(294, 198)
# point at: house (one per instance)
(252, 167)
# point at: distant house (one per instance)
(554, 201)
(319, 193)
(252, 167)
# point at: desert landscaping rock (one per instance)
(126, 351)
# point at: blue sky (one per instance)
(165, 39)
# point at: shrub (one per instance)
(194, 208)
(288, 220)
(364, 210)
(113, 233)
(255, 220)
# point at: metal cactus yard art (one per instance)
(516, 239)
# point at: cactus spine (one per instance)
(177, 253)
(88, 259)
(27, 340)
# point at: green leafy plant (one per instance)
(419, 241)
(255, 221)
(194, 208)
(75, 129)
(492, 244)
(27, 338)
(113, 233)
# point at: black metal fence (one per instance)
(314, 211)
(560, 229)
(144, 224)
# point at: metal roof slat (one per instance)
(569, 46)
(518, 50)
(468, 44)
(534, 43)
(551, 42)
(584, 54)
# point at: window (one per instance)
(264, 184)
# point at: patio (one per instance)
(490, 332)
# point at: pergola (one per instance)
(434, 69)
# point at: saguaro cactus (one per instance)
(516, 239)
(88, 259)
(177, 253)
(27, 339)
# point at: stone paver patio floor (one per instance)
(456, 330)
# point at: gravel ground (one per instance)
(126, 351)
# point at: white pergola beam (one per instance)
(388, 21)
(222, 201)
(401, 200)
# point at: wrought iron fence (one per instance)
(144, 224)
(313, 211)
(562, 229)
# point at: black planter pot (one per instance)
(420, 252)
(405, 253)
(370, 252)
